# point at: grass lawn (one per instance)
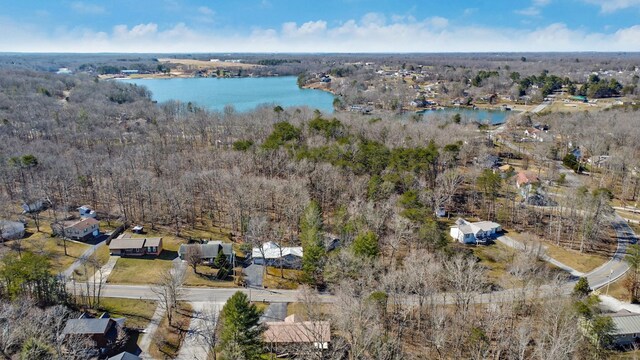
(168, 338)
(101, 255)
(53, 248)
(273, 280)
(146, 269)
(617, 290)
(137, 312)
(206, 276)
(496, 258)
(579, 261)
(299, 309)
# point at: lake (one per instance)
(243, 93)
(493, 117)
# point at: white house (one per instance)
(474, 233)
(272, 254)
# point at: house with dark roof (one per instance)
(103, 331)
(125, 245)
(209, 251)
(125, 356)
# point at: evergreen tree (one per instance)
(220, 261)
(240, 337)
(366, 245)
(313, 248)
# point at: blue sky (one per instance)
(320, 26)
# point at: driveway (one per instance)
(205, 314)
(253, 275)
(275, 312)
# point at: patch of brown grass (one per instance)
(273, 278)
(168, 338)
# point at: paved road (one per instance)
(616, 267)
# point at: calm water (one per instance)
(243, 93)
(493, 117)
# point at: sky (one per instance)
(319, 26)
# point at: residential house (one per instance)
(526, 179)
(86, 212)
(627, 328)
(474, 233)
(209, 251)
(272, 254)
(80, 230)
(282, 336)
(11, 230)
(125, 356)
(125, 245)
(103, 331)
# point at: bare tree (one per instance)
(193, 256)
(169, 289)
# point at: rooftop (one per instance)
(293, 330)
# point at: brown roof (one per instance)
(122, 244)
(526, 178)
(84, 223)
(153, 242)
(292, 330)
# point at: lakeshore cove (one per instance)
(244, 94)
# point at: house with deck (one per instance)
(475, 233)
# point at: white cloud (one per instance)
(530, 11)
(205, 11)
(609, 6)
(84, 8)
(369, 34)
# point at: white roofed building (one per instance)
(272, 254)
(474, 233)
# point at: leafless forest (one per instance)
(75, 140)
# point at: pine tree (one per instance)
(241, 334)
(313, 248)
(366, 245)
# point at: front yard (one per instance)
(146, 269)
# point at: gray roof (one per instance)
(626, 323)
(121, 244)
(86, 326)
(209, 250)
(125, 356)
